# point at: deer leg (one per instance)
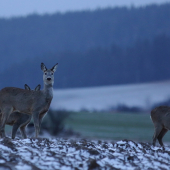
(23, 126)
(36, 123)
(158, 129)
(21, 122)
(23, 132)
(5, 114)
(14, 130)
(40, 121)
(161, 135)
(41, 116)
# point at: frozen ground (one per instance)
(101, 98)
(64, 154)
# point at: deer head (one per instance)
(48, 76)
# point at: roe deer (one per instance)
(20, 120)
(35, 103)
(161, 119)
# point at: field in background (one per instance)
(113, 126)
(143, 95)
(107, 126)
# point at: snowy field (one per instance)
(64, 154)
(102, 98)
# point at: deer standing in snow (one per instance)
(161, 120)
(20, 120)
(35, 103)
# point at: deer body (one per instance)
(19, 120)
(161, 120)
(24, 101)
(33, 103)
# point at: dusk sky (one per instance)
(12, 8)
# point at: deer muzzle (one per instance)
(49, 79)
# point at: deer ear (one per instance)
(27, 87)
(38, 88)
(43, 67)
(54, 68)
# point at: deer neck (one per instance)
(48, 91)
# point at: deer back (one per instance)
(19, 99)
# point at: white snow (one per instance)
(121, 142)
(22, 166)
(4, 148)
(101, 98)
(2, 161)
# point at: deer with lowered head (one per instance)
(20, 120)
(161, 119)
(35, 103)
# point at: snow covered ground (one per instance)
(69, 154)
(101, 98)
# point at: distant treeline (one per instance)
(93, 48)
(145, 61)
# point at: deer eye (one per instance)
(45, 73)
(52, 73)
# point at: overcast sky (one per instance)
(11, 8)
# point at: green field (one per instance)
(110, 126)
(113, 126)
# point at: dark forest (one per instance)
(93, 48)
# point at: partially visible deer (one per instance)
(35, 103)
(20, 120)
(161, 120)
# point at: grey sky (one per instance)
(10, 8)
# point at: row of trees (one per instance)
(35, 35)
(144, 61)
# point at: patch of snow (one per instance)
(132, 144)
(155, 148)
(26, 141)
(100, 98)
(140, 146)
(65, 168)
(2, 161)
(21, 166)
(5, 148)
(121, 142)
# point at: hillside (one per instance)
(103, 98)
